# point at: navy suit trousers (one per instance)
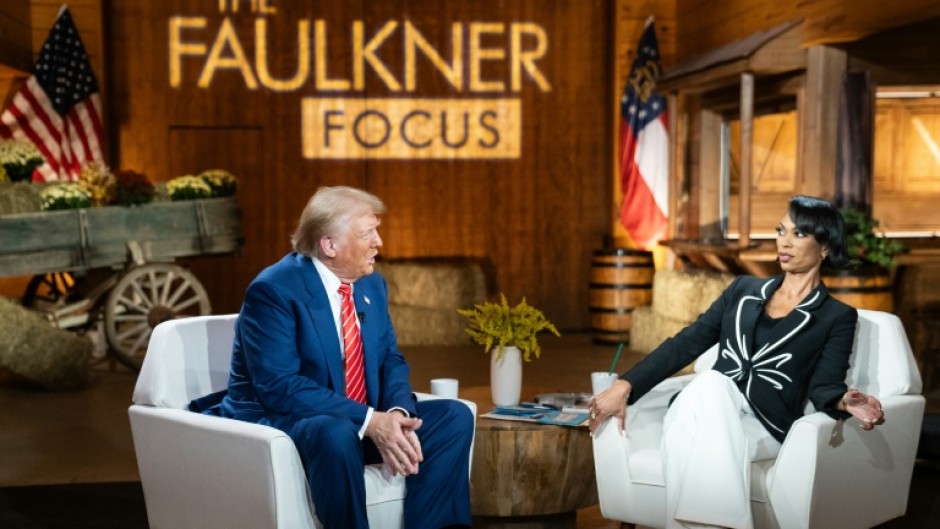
(438, 496)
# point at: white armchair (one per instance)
(827, 474)
(203, 472)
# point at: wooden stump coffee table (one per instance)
(528, 475)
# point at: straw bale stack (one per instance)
(424, 295)
(424, 326)
(19, 197)
(679, 297)
(433, 284)
(682, 296)
(35, 350)
(650, 329)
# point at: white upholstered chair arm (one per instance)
(242, 468)
(611, 469)
(859, 476)
(642, 431)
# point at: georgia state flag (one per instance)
(644, 143)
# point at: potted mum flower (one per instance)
(132, 188)
(19, 159)
(188, 187)
(221, 182)
(66, 195)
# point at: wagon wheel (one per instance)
(146, 296)
(48, 290)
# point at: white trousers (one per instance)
(710, 437)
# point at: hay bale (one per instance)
(650, 329)
(433, 284)
(35, 350)
(424, 326)
(682, 296)
(19, 197)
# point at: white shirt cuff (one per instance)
(365, 423)
(403, 410)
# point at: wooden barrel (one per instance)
(620, 280)
(863, 288)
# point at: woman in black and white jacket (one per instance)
(781, 340)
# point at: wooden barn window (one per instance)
(907, 159)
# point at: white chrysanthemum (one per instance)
(66, 195)
(18, 152)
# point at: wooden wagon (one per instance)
(114, 266)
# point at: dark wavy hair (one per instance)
(823, 220)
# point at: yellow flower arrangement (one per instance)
(499, 325)
(98, 180)
(188, 187)
(222, 182)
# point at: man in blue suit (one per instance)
(288, 372)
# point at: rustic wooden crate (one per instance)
(54, 241)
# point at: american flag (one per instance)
(644, 142)
(58, 107)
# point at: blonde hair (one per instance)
(328, 212)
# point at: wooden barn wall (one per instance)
(14, 39)
(894, 56)
(705, 24)
(906, 164)
(534, 219)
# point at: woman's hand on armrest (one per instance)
(610, 403)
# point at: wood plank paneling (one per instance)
(196, 149)
(706, 24)
(14, 37)
(536, 219)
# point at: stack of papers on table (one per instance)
(539, 414)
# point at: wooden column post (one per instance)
(672, 104)
(747, 142)
(818, 121)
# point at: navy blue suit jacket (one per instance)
(287, 360)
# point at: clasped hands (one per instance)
(865, 408)
(396, 438)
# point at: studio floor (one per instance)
(66, 451)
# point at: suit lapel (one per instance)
(322, 318)
(795, 322)
(749, 309)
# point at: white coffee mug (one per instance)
(445, 387)
(600, 381)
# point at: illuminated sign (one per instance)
(339, 122)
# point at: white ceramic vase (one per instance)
(506, 376)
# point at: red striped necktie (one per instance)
(352, 346)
